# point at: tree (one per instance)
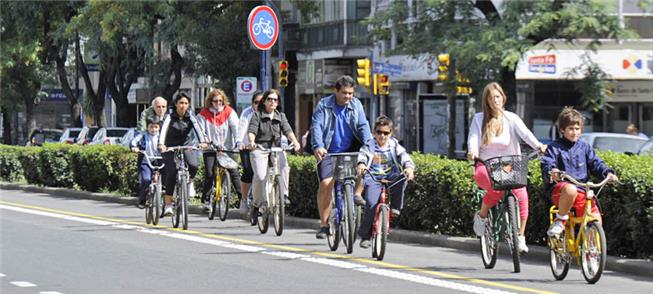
(485, 42)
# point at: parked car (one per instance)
(127, 138)
(86, 135)
(647, 148)
(40, 136)
(70, 135)
(616, 142)
(108, 136)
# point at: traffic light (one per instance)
(443, 66)
(383, 83)
(283, 73)
(364, 72)
(462, 84)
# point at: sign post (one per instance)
(245, 88)
(263, 31)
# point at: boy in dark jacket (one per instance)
(576, 158)
(146, 141)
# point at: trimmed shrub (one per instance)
(11, 169)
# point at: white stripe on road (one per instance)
(50, 292)
(2, 275)
(22, 284)
(289, 255)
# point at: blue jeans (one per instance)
(372, 196)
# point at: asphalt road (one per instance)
(52, 244)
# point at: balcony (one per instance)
(331, 35)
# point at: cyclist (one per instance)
(496, 132)
(220, 122)
(176, 131)
(246, 178)
(578, 159)
(386, 159)
(265, 129)
(147, 142)
(157, 110)
(338, 125)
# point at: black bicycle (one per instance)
(344, 217)
(153, 200)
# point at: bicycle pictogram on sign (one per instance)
(263, 27)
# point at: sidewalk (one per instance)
(538, 253)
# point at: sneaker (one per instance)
(522, 245)
(286, 200)
(140, 206)
(168, 211)
(365, 243)
(243, 207)
(191, 189)
(394, 213)
(556, 228)
(206, 206)
(358, 199)
(322, 233)
(479, 225)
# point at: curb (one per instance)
(640, 267)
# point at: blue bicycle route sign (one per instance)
(263, 27)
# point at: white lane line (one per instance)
(2, 275)
(289, 255)
(22, 284)
(50, 292)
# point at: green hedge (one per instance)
(442, 199)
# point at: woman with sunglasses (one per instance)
(496, 132)
(266, 128)
(220, 122)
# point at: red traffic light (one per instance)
(283, 65)
(384, 79)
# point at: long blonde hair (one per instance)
(492, 115)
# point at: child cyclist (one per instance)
(385, 159)
(146, 141)
(576, 158)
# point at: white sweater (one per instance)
(507, 143)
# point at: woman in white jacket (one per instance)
(496, 132)
(220, 123)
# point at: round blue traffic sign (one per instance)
(263, 27)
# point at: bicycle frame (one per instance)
(340, 181)
(500, 223)
(383, 199)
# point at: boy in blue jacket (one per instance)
(146, 141)
(576, 158)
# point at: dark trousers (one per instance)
(171, 168)
(372, 197)
(209, 164)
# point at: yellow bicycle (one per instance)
(220, 194)
(584, 238)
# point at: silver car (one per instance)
(616, 142)
(108, 136)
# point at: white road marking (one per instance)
(2, 275)
(50, 292)
(23, 284)
(249, 248)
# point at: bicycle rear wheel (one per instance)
(381, 234)
(225, 198)
(334, 235)
(489, 244)
(513, 232)
(264, 221)
(349, 227)
(184, 207)
(558, 256)
(279, 208)
(593, 252)
(214, 195)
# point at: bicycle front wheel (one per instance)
(513, 232)
(349, 227)
(148, 205)
(593, 252)
(156, 205)
(184, 206)
(279, 208)
(333, 237)
(225, 198)
(381, 233)
(489, 244)
(177, 204)
(558, 256)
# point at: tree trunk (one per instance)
(96, 98)
(6, 127)
(28, 94)
(73, 100)
(174, 74)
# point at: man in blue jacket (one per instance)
(338, 125)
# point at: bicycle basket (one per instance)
(344, 166)
(508, 172)
(225, 161)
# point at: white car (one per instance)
(108, 136)
(616, 142)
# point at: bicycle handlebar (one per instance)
(181, 148)
(529, 156)
(216, 148)
(384, 181)
(564, 175)
(150, 158)
(276, 149)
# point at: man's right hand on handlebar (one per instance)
(320, 153)
(360, 169)
(554, 175)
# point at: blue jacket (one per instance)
(323, 122)
(577, 159)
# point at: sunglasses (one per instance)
(257, 101)
(383, 133)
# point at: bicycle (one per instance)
(153, 203)
(506, 173)
(381, 224)
(180, 204)
(344, 217)
(220, 193)
(584, 238)
(273, 197)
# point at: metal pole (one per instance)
(262, 81)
